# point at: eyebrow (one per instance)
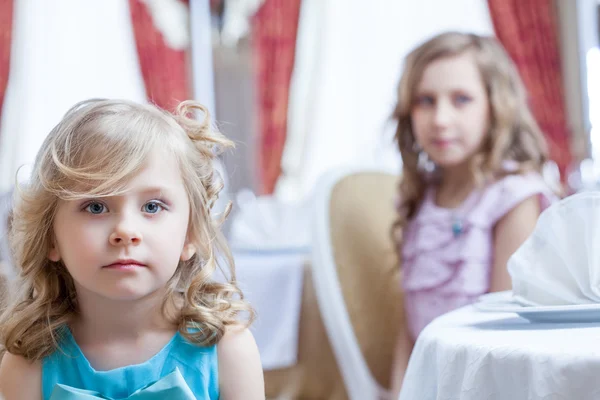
(154, 189)
(453, 89)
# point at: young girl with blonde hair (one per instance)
(471, 188)
(116, 247)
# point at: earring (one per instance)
(424, 163)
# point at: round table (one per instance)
(475, 355)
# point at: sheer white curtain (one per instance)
(348, 61)
(204, 81)
(63, 51)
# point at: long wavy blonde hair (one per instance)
(94, 152)
(513, 135)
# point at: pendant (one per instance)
(457, 227)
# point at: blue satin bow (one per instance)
(171, 386)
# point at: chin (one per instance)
(126, 297)
(450, 162)
(129, 293)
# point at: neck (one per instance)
(456, 177)
(100, 318)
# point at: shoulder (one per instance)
(20, 378)
(240, 369)
(517, 210)
(525, 212)
(517, 193)
(516, 185)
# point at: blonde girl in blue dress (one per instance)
(116, 246)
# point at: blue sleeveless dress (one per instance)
(179, 371)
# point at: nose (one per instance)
(125, 233)
(443, 113)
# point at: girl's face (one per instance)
(450, 113)
(128, 246)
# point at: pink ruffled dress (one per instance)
(448, 253)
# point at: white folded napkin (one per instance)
(559, 264)
(266, 223)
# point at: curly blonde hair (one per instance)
(514, 134)
(94, 152)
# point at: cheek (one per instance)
(172, 231)
(419, 122)
(477, 123)
(90, 234)
(80, 241)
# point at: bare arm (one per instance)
(240, 369)
(509, 233)
(20, 379)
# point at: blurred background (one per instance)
(303, 87)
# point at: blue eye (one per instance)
(152, 207)
(425, 101)
(462, 99)
(96, 208)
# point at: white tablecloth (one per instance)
(474, 355)
(272, 283)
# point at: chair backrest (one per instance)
(356, 276)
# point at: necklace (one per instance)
(458, 220)
(457, 226)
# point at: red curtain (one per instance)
(166, 71)
(6, 18)
(274, 29)
(528, 30)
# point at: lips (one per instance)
(125, 264)
(443, 143)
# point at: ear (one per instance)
(188, 251)
(54, 254)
